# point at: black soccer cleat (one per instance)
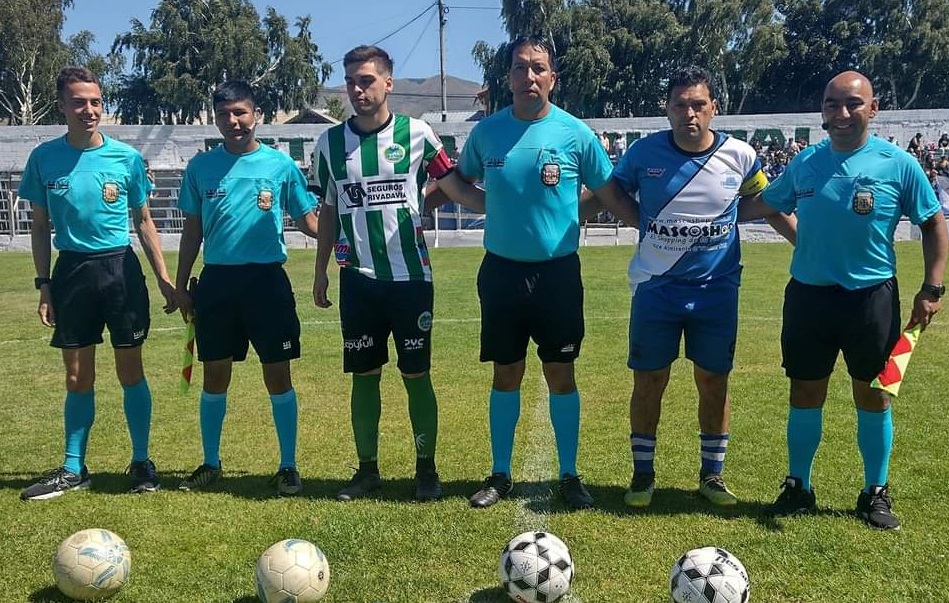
(496, 487)
(793, 500)
(57, 482)
(144, 476)
(876, 508)
(428, 486)
(362, 484)
(574, 492)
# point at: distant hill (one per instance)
(414, 96)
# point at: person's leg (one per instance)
(502, 291)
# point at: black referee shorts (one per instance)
(820, 322)
(521, 301)
(93, 290)
(246, 303)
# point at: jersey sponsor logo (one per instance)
(265, 199)
(494, 162)
(110, 192)
(731, 180)
(689, 231)
(354, 193)
(215, 193)
(380, 192)
(360, 343)
(425, 321)
(804, 193)
(413, 344)
(550, 174)
(342, 249)
(57, 185)
(655, 172)
(394, 153)
(863, 201)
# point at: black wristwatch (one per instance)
(39, 281)
(936, 291)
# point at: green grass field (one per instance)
(201, 547)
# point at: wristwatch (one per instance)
(39, 281)
(936, 291)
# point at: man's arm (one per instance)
(753, 207)
(151, 245)
(191, 236)
(935, 244)
(308, 224)
(325, 242)
(612, 197)
(454, 187)
(42, 253)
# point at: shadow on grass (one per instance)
(489, 595)
(246, 599)
(50, 594)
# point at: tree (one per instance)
(31, 55)
(191, 46)
(335, 107)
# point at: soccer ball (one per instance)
(91, 565)
(292, 571)
(535, 567)
(709, 575)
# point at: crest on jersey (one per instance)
(265, 199)
(425, 321)
(863, 201)
(110, 192)
(550, 174)
(394, 153)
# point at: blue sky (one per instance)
(338, 25)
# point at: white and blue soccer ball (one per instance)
(709, 575)
(292, 571)
(91, 565)
(535, 567)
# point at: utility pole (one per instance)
(442, 11)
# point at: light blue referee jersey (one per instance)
(532, 173)
(688, 207)
(87, 193)
(848, 206)
(241, 200)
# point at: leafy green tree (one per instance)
(31, 54)
(335, 107)
(191, 46)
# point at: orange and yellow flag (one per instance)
(891, 377)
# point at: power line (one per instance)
(389, 35)
(419, 39)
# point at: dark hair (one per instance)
(534, 41)
(233, 90)
(692, 76)
(68, 75)
(362, 54)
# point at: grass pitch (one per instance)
(202, 547)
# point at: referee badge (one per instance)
(863, 201)
(110, 192)
(265, 199)
(550, 174)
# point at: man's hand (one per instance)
(170, 294)
(45, 309)
(185, 299)
(321, 283)
(925, 306)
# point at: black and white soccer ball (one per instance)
(535, 567)
(709, 575)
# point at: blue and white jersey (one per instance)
(688, 207)
(241, 200)
(86, 192)
(533, 173)
(848, 205)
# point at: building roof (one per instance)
(452, 116)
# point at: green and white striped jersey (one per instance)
(375, 182)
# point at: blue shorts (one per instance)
(706, 314)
